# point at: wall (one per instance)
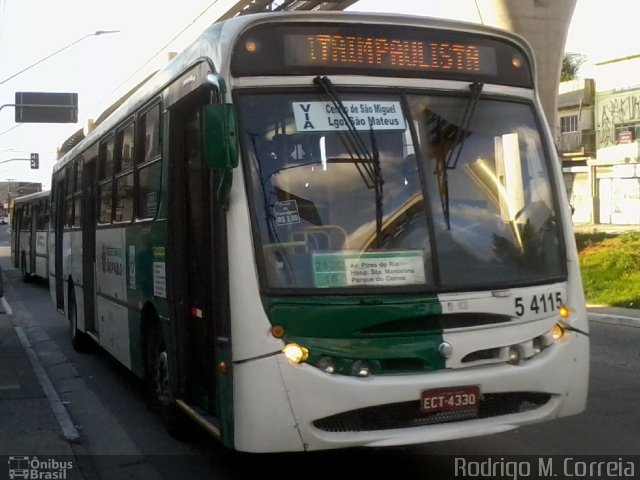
(613, 108)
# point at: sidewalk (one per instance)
(614, 315)
(28, 425)
(39, 391)
(604, 228)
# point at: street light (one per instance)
(99, 32)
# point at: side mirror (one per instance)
(220, 145)
(220, 136)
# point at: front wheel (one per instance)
(26, 276)
(159, 388)
(79, 339)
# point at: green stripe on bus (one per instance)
(394, 335)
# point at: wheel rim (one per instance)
(163, 388)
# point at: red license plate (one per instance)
(450, 399)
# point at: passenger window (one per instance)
(106, 200)
(124, 198)
(125, 149)
(149, 168)
(150, 125)
(106, 159)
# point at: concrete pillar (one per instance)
(545, 24)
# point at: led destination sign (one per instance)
(392, 53)
(381, 50)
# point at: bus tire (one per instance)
(79, 339)
(26, 277)
(158, 384)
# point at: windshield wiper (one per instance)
(367, 162)
(444, 165)
(378, 183)
(354, 144)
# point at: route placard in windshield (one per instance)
(325, 117)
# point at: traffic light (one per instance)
(35, 161)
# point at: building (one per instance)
(576, 143)
(599, 143)
(12, 189)
(617, 164)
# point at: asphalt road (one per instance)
(121, 438)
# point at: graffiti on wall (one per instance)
(616, 110)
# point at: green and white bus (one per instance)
(325, 230)
(30, 235)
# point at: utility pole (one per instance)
(545, 25)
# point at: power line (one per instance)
(12, 128)
(99, 32)
(160, 51)
(3, 6)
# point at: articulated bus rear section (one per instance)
(30, 235)
(327, 230)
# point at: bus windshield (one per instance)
(380, 190)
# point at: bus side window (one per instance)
(148, 166)
(70, 174)
(105, 178)
(124, 174)
(77, 196)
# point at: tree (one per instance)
(571, 63)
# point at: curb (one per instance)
(5, 307)
(69, 431)
(614, 319)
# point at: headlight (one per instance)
(361, 368)
(514, 355)
(295, 353)
(327, 364)
(557, 332)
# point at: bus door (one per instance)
(89, 243)
(36, 211)
(192, 255)
(58, 223)
(16, 220)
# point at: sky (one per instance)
(98, 67)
